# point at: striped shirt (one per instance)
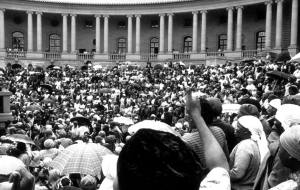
(193, 140)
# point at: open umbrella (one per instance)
(84, 158)
(14, 107)
(97, 67)
(39, 68)
(158, 67)
(8, 164)
(130, 67)
(20, 138)
(296, 58)
(81, 120)
(95, 79)
(56, 68)
(136, 86)
(277, 74)
(85, 67)
(50, 66)
(16, 66)
(135, 78)
(123, 120)
(151, 124)
(48, 87)
(33, 108)
(248, 60)
(105, 90)
(48, 101)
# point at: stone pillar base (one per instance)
(293, 49)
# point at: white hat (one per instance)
(288, 114)
(276, 103)
(178, 125)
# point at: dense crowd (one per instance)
(170, 126)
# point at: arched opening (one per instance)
(54, 43)
(187, 44)
(154, 44)
(18, 41)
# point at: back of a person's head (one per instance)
(252, 102)
(158, 160)
(206, 111)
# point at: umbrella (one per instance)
(296, 58)
(85, 67)
(277, 74)
(48, 87)
(33, 107)
(16, 66)
(105, 90)
(50, 66)
(151, 124)
(97, 67)
(230, 108)
(181, 63)
(20, 138)
(39, 68)
(136, 86)
(158, 67)
(84, 158)
(8, 164)
(130, 67)
(57, 68)
(124, 120)
(48, 101)
(248, 60)
(81, 120)
(135, 78)
(1, 73)
(14, 107)
(95, 79)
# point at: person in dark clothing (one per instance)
(227, 128)
(167, 117)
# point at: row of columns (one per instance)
(268, 30)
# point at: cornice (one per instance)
(182, 7)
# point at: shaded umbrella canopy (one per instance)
(14, 107)
(16, 66)
(130, 67)
(39, 68)
(95, 79)
(50, 66)
(85, 158)
(81, 120)
(277, 75)
(248, 60)
(33, 107)
(85, 67)
(48, 87)
(20, 138)
(158, 67)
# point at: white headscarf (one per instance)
(288, 114)
(257, 133)
(109, 168)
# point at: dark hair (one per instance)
(21, 146)
(206, 111)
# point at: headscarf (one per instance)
(109, 169)
(290, 141)
(288, 114)
(257, 133)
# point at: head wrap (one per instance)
(276, 103)
(257, 133)
(88, 183)
(49, 143)
(288, 114)
(290, 141)
(158, 160)
(248, 109)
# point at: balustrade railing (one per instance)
(149, 56)
(85, 56)
(117, 56)
(215, 54)
(181, 56)
(52, 55)
(16, 54)
(250, 53)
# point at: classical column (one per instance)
(230, 29)
(239, 28)
(203, 31)
(268, 25)
(129, 34)
(195, 31)
(29, 31)
(170, 32)
(138, 34)
(39, 32)
(162, 33)
(279, 24)
(65, 32)
(98, 33)
(73, 33)
(105, 34)
(294, 24)
(2, 29)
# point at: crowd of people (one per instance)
(162, 127)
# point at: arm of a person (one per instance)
(241, 163)
(210, 144)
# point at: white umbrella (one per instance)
(123, 120)
(296, 58)
(151, 124)
(96, 67)
(230, 108)
(9, 164)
